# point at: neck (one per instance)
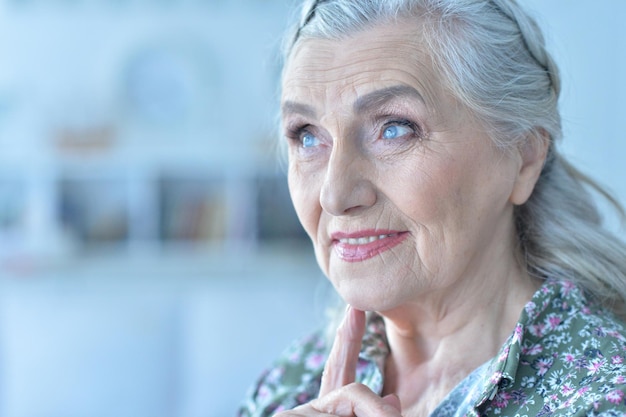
(438, 340)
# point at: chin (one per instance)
(366, 302)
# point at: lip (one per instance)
(365, 244)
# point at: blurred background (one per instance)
(150, 262)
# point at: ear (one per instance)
(532, 155)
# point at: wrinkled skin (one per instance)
(409, 206)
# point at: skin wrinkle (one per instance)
(449, 189)
(334, 405)
(333, 73)
(339, 173)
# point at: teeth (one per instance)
(365, 240)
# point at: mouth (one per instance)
(358, 247)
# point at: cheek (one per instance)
(426, 194)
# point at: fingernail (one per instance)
(346, 322)
(346, 316)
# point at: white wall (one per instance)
(146, 341)
(588, 41)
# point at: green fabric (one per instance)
(565, 357)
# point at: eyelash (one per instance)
(417, 130)
(294, 133)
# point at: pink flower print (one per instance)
(533, 350)
(567, 390)
(530, 308)
(615, 397)
(619, 379)
(275, 375)
(554, 321)
(543, 365)
(617, 360)
(314, 361)
(294, 357)
(567, 286)
(568, 403)
(504, 354)
(501, 399)
(303, 398)
(361, 366)
(595, 366)
(518, 333)
(537, 329)
(495, 378)
(263, 392)
(569, 358)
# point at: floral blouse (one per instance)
(565, 357)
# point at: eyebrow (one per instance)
(367, 102)
(379, 98)
(298, 108)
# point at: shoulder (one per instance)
(561, 315)
(580, 370)
(293, 379)
(572, 358)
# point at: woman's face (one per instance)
(401, 191)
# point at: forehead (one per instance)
(386, 55)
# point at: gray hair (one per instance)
(491, 55)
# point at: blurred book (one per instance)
(193, 210)
(276, 217)
(94, 211)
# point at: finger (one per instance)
(393, 400)
(305, 410)
(340, 368)
(356, 400)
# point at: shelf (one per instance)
(174, 264)
(151, 140)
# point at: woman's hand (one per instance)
(339, 394)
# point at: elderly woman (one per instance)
(423, 164)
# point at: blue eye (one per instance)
(395, 131)
(309, 140)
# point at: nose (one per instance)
(347, 187)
